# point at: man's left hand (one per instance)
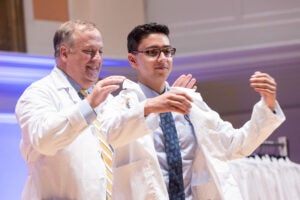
(266, 86)
(186, 81)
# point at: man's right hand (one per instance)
(171, 101)
(103, 88)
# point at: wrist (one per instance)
(148, 109)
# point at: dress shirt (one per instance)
(187, 143)
(85, 108)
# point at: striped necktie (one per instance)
(106, 154)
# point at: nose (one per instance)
(161, 55)
(97, 56)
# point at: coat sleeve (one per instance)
(224, 141)
(122, 119)
(47, 125)
(262, 124)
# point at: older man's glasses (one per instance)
(155, 52)
(92, 53)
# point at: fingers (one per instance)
(103, 88)
(179, 102)
(121, 78)
(186, 81)
(108, 89)
(179, 95)
(109, 84)
(172, 101)
(99, 94)
(263, 83)
(110, 80)
(266, 86)
(180, 81)
(191, 84)
(176, 106)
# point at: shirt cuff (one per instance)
(87, 111)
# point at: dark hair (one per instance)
(140, 32)
(64, 34)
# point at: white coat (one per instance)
(137, 173)
(59, 147)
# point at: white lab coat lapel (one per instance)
(137, 163)
(63, 85)
(211, 179)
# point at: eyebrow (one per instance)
(156, 46)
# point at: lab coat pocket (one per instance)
(136, 180)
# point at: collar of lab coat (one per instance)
(61, 83)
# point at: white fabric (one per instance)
(136, 169)
(267, 178)
(187, 144)
(59, 147)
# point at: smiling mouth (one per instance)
(92, 68)
(162, 67)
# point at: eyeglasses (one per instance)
(155, 52)
(91, 52)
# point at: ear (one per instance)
(132, 60)
(63, 52)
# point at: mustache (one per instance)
(163, 65)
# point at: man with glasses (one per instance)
(150, 167)
(59, 142)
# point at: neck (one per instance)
(158, 87)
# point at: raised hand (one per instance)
(266, 86)
(103, 88)
(186, 81)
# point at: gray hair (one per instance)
(64, 34)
